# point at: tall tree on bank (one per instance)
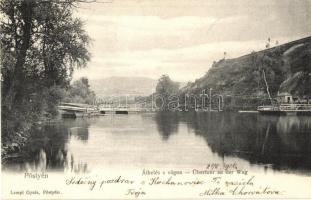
(41, 44)
(80, 92)
(165, 91)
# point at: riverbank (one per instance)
(11, 146)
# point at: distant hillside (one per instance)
(122, 86)
(287, 69)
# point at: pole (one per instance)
(267, 86)
(218, 103)
(203, 100)
(210, 99)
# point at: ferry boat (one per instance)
(287, 105)
(286, 109)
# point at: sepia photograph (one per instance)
(155, 99)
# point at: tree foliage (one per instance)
(41, 44)
(166, 89)
(166, 86)
(80, 92)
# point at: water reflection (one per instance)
(283, 142)
(167, 123)
(47, 148)
(164, 138)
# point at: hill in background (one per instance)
(286, 68)
(123, 86)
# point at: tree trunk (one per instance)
(18, 74)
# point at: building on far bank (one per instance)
(287, 98)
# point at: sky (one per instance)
(182, 38)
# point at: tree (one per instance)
(268, 43)
(41, 44)
(80, 92)
(165, 89)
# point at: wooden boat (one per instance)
(74, 110)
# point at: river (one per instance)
(260, 143)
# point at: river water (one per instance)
(260, 143)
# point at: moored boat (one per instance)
(74, 110)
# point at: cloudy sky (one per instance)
(182, 38)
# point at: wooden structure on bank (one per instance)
(288, 105)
